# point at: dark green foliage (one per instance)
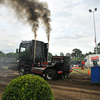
(49, 56)
(28, 87)
(76, 53)
(9, 55)
(2, 54)
(61, 54)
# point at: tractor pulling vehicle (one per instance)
(58, 67)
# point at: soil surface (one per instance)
(77, 87)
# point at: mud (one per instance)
(77, 87)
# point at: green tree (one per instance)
(77, 53)
(82, 55)
(49, 56)
(2, 54)
(98, 48)
(99, 44)
(86, 54)
(68, 54)
(61, 54)
(56, 55)
(11, 55)
(90, 52)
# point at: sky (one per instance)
(71, 22)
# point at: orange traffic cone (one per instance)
(88, 71)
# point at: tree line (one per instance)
(75, 55)
(9, 55)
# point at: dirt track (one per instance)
(77, 87)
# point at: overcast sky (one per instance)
(71, 23)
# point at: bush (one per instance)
(28, 87)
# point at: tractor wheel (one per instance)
(51, 74)
(21, 71)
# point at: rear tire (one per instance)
(21, 71)
(51, 74)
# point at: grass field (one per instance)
(81, 71)
(5, 67)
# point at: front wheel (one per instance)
(51, 74)
(21, 71)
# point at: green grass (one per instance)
(79, 71)
(5, 67)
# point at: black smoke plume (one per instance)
(32, 10)
(1, 1)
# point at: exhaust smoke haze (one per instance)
(33, 11)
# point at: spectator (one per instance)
(83, 63)
(79, 63)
